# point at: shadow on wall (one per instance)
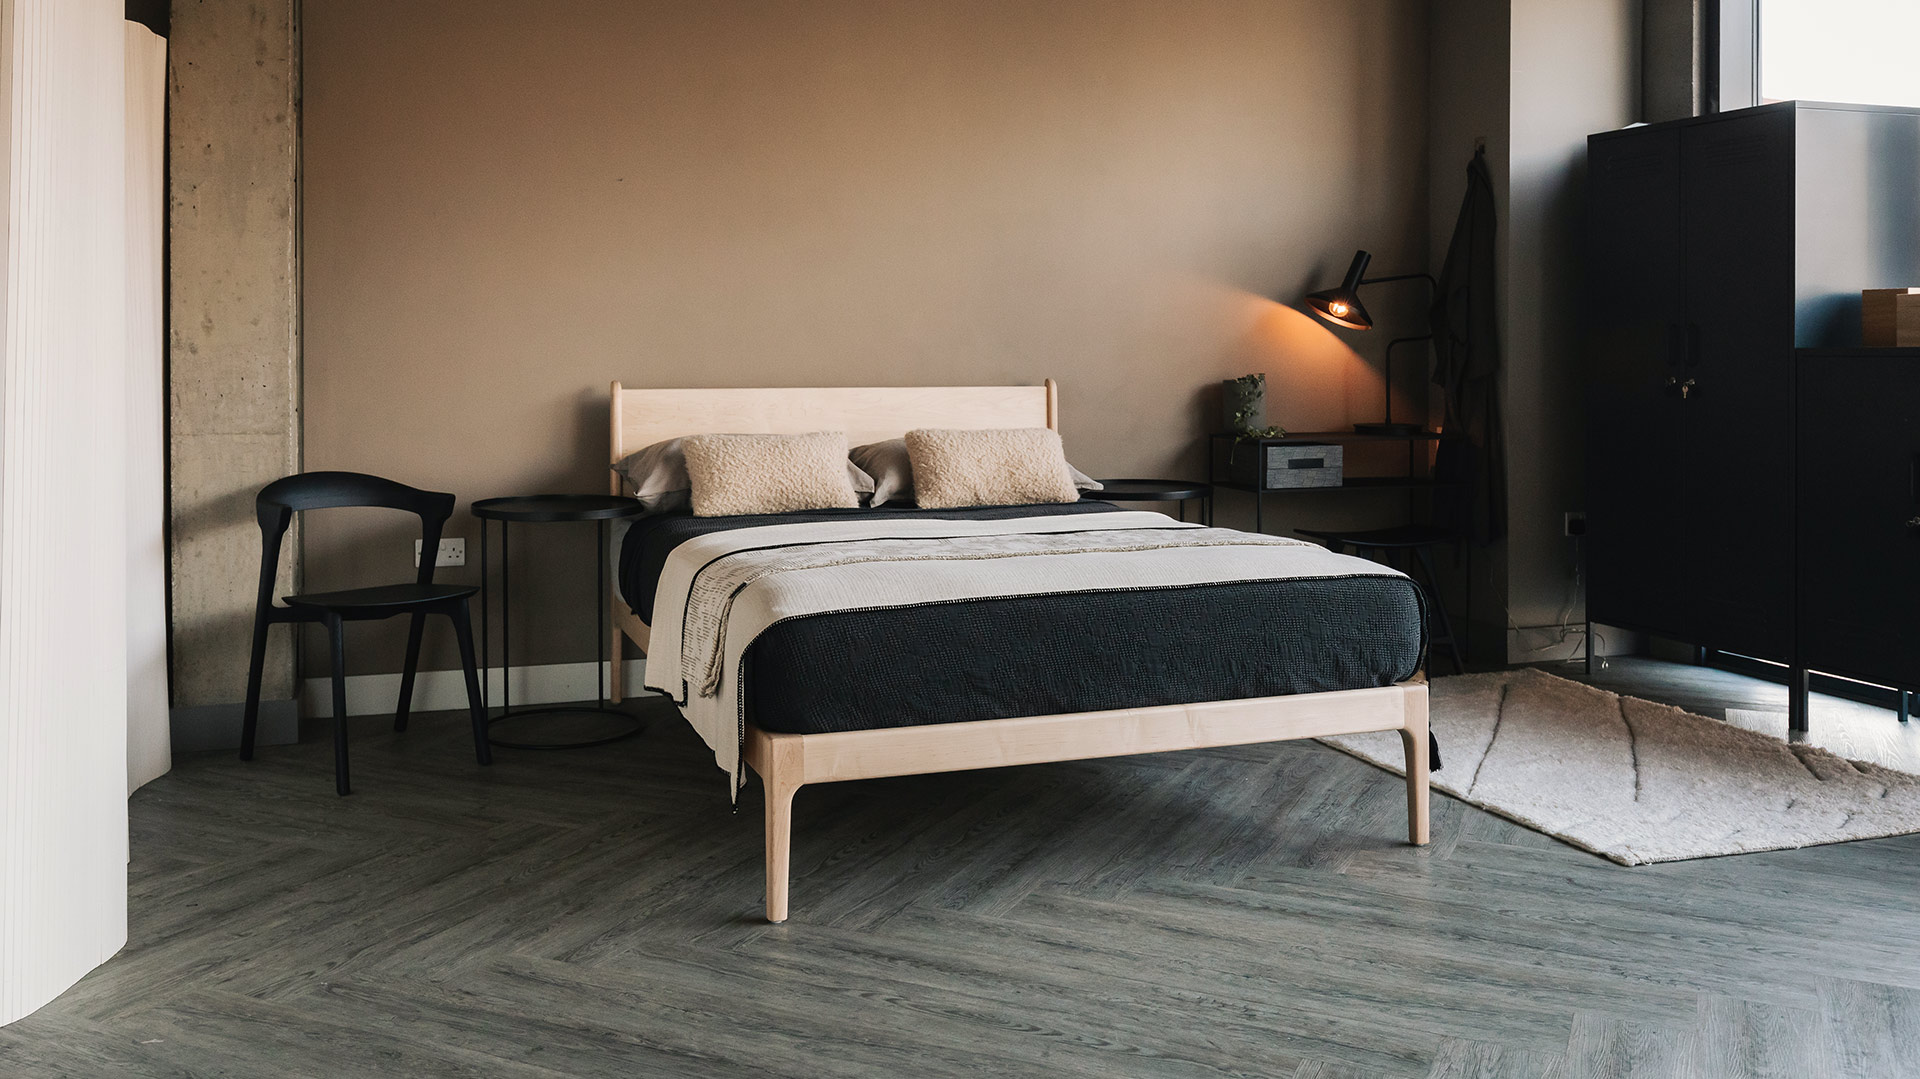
(1311, 374)
(593, 438)
(216, 514)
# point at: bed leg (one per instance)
(779, 846)
(1413, 738)
(777, 758)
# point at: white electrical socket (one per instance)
(453, 552)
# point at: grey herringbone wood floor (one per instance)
(1247, 912)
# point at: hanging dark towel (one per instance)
(1467, 349)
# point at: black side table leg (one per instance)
(486, 676)
(506, 618)
(601, 673)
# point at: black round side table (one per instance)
(1159, 491)
(547, 509)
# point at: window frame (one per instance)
(1731, 54)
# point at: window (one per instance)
(1839, 50)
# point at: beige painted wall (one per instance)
(507, 205)
(1575, 71)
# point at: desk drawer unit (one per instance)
(1307, 464)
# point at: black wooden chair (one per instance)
(275, 506)
(1391, 543)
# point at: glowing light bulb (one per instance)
(1337, 308)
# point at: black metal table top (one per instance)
(1150, 490)
(543, 508)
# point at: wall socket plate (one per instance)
(453, 552)
(1575, 524)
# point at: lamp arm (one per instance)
(1432, 285)
(1433, 291)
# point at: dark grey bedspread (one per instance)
(1040, 655)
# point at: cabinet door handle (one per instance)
(1913, 522)
(1676, 345)
(1693, 344)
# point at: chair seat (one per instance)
(381, 600)
(1403, 537)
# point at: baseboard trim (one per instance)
(434, 691)
(195, 728)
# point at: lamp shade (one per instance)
(1341, 306)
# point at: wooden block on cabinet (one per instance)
(1890, 317)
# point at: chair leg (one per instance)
(337, 639)
(406, 673)
(463, 631)
(250, 725)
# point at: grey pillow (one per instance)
(892, 471)
(657, 476)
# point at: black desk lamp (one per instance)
(1342, 307)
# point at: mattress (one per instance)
(1041, 655)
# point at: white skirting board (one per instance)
(434, 691)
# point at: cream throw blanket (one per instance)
(719, 592)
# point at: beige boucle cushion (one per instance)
(891, 471)
(736, 474)
(1013, 466)
(657, 476)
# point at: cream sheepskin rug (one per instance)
(1638, 782)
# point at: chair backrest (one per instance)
(278, 501)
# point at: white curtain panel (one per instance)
(149, 752)
(63, 496)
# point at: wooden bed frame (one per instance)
(787, 762)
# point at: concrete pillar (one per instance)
(234, 346)
(1671, 75)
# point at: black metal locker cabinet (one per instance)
(1859, 530)
(1635, 499)
(1737, 380)
(1716, 247)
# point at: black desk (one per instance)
(1221, 446)
(547, 509)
